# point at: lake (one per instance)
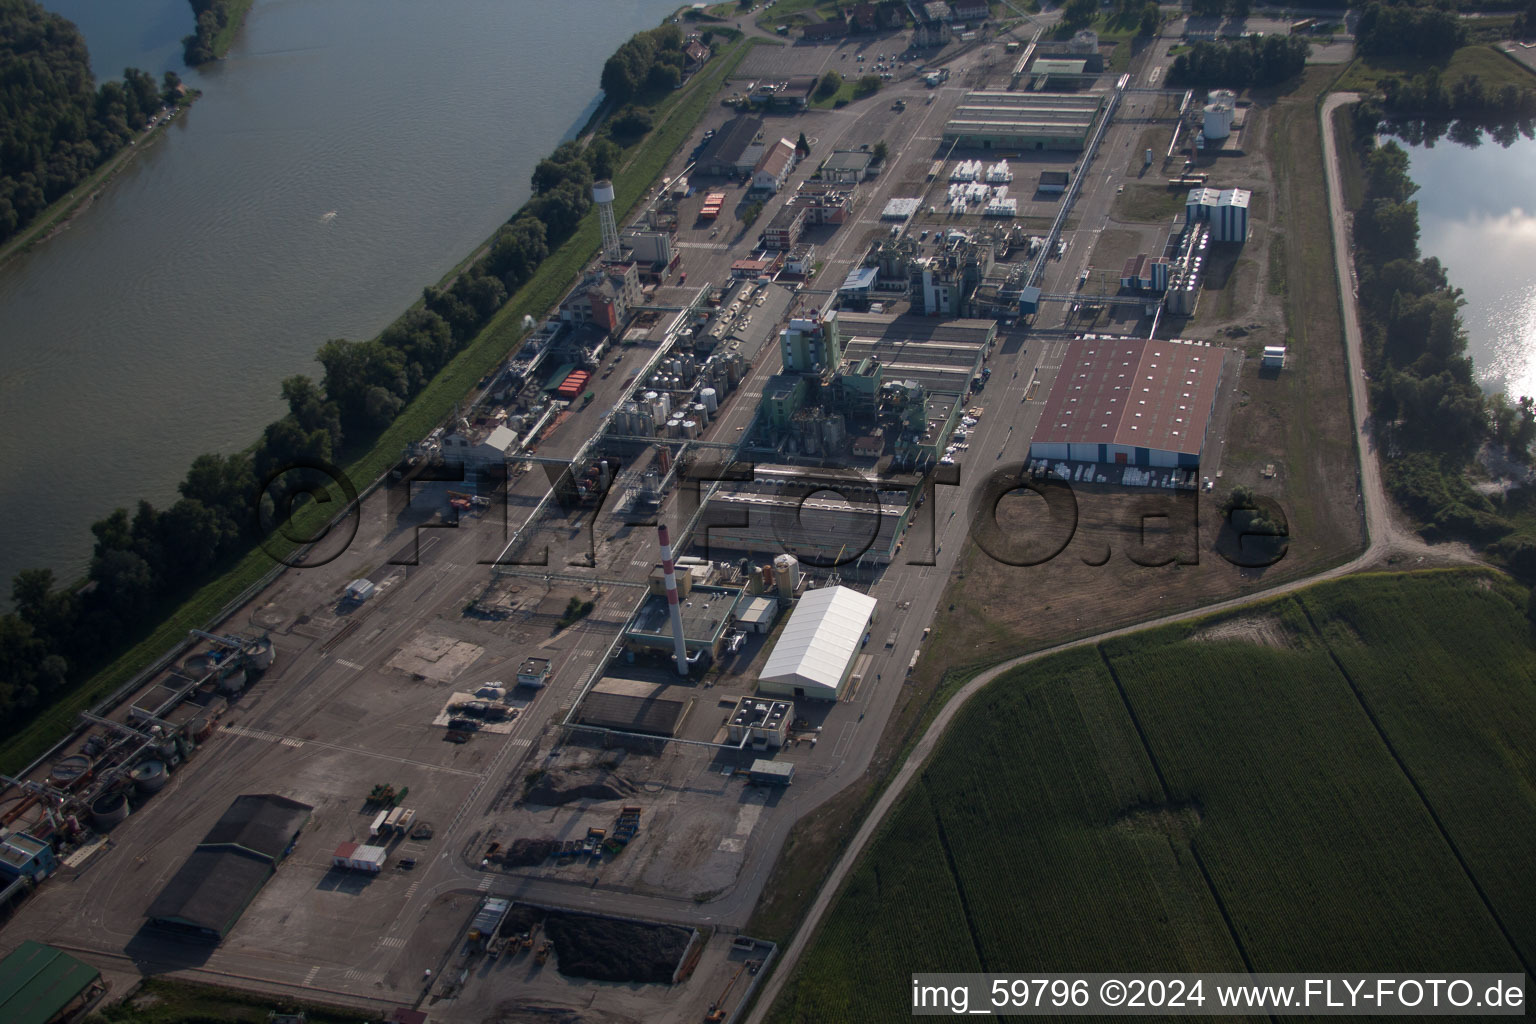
(1477, 215)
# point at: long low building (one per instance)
(1023, 120)
(1132, 402)
(816, 652)
(228, 868)
(636, 705)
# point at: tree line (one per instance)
(1431, 413)
(1403, 30)
(212, 17)
(1245, 63)
(649, 62)
(147, 560)
(56, 125)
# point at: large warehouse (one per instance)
(816, 652)
(229, 867)
(636, 705)
(1131, 402)
(1023, 120)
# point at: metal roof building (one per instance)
(1023, 120)
(40, 984)
(636, 705)
(1131, 401)
(228, 868)
(816, 651)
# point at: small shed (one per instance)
(1273, 358)
(360, 590)
(771, 773)
(357, 857)
(757, 613)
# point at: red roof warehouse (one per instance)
(1131, 401)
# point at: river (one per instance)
(345, 154)
(1477, 215)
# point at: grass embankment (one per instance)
(1149, 204)
(643, 163)
(1492, 66)
(237, 9)
(160, 1001)
(1303, 790)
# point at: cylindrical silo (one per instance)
(710, 399)
(690, 428)
(109, 810)
(233, 678)
(150, 777)
(698, 411)
(261, 654)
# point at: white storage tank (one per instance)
(786, 574)
(710, 399)
(1219, 115)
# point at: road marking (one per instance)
(258, 734)
(394, 941)
(486, 883)
(310, 977)
(344, 663)
(521, 743)
(408, 894)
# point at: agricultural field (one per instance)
(1292, 786)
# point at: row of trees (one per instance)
(1431, 411)
(649, 62)
(212, 17)
(1525, 22)
(1403, 30)
(57, 126)
(1245, 63)
(145, 561)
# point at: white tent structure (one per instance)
(816, 651)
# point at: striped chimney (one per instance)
(669, 574)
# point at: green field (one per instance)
(1341, 780)
(1490, 64)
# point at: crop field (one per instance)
(1340, 780)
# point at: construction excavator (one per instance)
(717, 1008)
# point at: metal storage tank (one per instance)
(69, 770)
(675, 427)
(710, 399)
(1219, 114)
(698, 411)
(109, 810)
(786, 571)
(150, 777)
(690, 429)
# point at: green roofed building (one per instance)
(43, 985)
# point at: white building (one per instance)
(815, 654)
(1226, 209)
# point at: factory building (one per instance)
(847, 166)
(706, 613)
(844, 518)
(1023, 121)
(43, 985)
(734, 150)
(1226, 210)
(228, 868)
(810, 344)
(1131, 402)
(784, 230)
(817, 650)
(25, 856)
(636, 705)
(761, 723)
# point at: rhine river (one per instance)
(345, 154)
(1477, 215)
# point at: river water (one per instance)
(347, 153)
(1477, 215)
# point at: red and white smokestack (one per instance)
(669, 575)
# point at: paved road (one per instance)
(1379, 528)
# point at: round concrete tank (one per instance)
(233, 679)
(150, 777)
(602, 191)
(69, 770)
(261, 653)
(197, 666)
(109, 810)
(201, 728)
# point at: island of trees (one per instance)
(216, 20)
(57, 126)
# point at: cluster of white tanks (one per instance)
(1220, 111)
(668, 408)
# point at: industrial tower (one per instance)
(602, 195)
